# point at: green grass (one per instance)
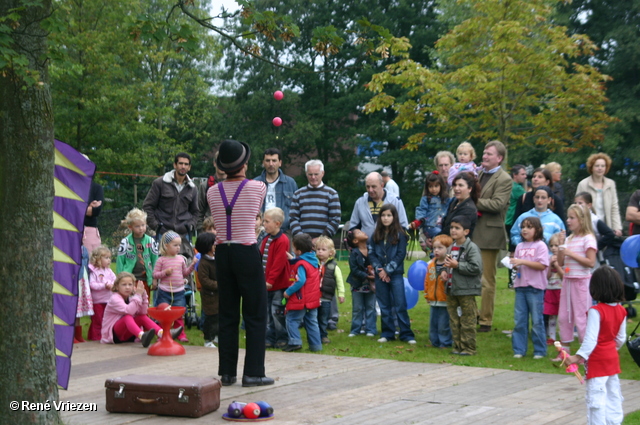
(494, 348)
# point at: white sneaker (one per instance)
(352, 335)
(370, 334)
(383, 339)
(215, 340)
(517, 356)
(209, 344)
(538, 357)
(412, 341)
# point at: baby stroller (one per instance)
(190, 315)
(613, 259)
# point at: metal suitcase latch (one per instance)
(120, 392)
(181, 397)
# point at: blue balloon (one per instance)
(410, 294)
(630, 250)
(416, 275)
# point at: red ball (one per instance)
(277, 121)
(278, 95)
(164, 306)
(251, 411)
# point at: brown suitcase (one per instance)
(163, 395)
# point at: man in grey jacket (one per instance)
(172, 203)
(280, 187)
(365, 211)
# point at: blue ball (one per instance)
(416, 275)
(630, 250)
(410, 294)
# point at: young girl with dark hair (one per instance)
(386, 253)
(531, 258)
(606, 333)
(433, 206)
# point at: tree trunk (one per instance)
(27, 369)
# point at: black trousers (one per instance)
(241, 278)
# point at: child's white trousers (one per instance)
(604, 401)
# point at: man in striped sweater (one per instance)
(315, 209)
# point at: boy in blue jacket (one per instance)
(303, 297)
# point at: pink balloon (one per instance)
(278, 95)
(277, 121)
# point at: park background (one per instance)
(387, 83)
(125, 95)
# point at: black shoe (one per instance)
(256, 381)
(227, 380)
(175, 333)
(268, 345)
(290, 348)
(147, 337)
(282, 344)
(332, 327)
(484, 328)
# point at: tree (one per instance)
(115, 92)
(613, 27)
(26, 192)
(505, 73)
(322, 108)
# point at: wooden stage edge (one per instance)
(324, 389)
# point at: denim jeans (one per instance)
(529, 302)
(310, 317)
(324, 313)
(391, 294)
(173, 298)
(364, 307)
(276, 322)
(439, 329)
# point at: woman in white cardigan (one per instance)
(602, 190)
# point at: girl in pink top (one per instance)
(101, 279)
(171, 270)
(577, 257)
(531, 258)
(125, 317)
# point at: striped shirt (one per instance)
(579, 245)
(265, 254)
(175, 281)
(315, 211)
(243, 217)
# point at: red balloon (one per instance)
(278, 95)
(277, 121)
(251, 411)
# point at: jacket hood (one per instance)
(168, 178)
(311, 258)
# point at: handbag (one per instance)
(633, 345)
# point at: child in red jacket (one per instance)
(274, 248)
(303, 297)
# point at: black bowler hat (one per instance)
(232, 155)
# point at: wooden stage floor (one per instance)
(323, 389)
